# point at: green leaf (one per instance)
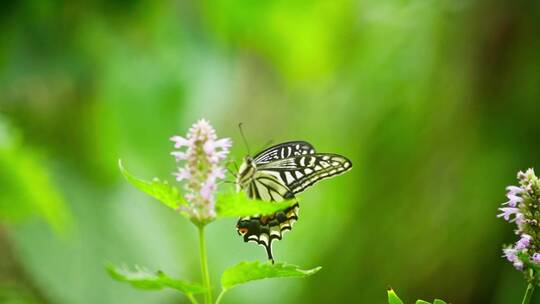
(27, 185)
(143, 279)
(393, 298)
(160, 190)
(238, 205)
(245, 272)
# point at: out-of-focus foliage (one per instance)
(394, 299)
(238, 204)
(228, 204)
(26, 186)
(160, 190)
(435, 103)
(143, 279)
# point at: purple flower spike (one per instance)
(523, 208)
(536, 258)
(202, 155)
(507, 212)
(513, 200)
(518, 265)
(523, 242)
(510, 254)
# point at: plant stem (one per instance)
(220, 296)
(192, 298)
(204, 266)
(528, 294)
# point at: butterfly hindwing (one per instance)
(263, 230)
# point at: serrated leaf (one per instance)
(238, 205)
(160, 190)
(143, 279)
(438, 301)
(245, 272)
(392, 297)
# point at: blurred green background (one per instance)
(435, 102)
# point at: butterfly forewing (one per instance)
(298, 173)
(284, 150)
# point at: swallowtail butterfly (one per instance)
(279, 173)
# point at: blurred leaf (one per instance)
(245, 272)
(27, 188)
(238, 205)
(160, 190)
(12, 293)
(143, 279)
(393, 298)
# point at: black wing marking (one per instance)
(300, 172)
(283, 150)
(263, 230)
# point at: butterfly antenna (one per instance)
(244, 137)
(226, 182)
(230, 171)
(228, 163)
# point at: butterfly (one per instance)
(277, 174)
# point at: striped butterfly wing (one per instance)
(300, 172)
(282, 151)
(263, 230)
(269, 187)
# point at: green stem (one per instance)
(204, 266)
(528, 294)
(220, 295)
(192, 298)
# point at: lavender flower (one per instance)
(536, 258)
(522, 208)
(203, 154)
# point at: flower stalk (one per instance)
(204, 266)
(202, 154)
(528, 294)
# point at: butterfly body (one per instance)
(277, 174)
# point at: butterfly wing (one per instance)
(282, 151)
(268, 187)
(282, 171)
(299, 172)
(264, 230)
